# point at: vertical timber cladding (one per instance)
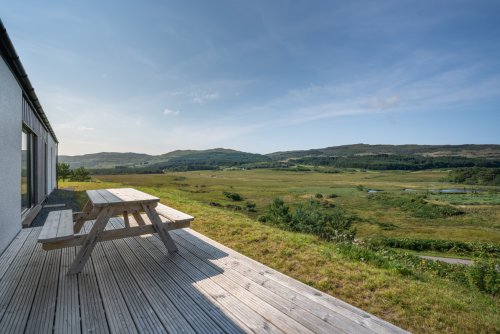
(31, 121)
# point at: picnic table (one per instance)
(63, 227)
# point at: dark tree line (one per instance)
(480, 176)
(397, 162)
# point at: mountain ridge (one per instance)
(228, 157)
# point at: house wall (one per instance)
(10, 156)
(51, 164)
(31, 121)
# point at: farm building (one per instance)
(28, 146)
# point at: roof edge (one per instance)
(12, 59)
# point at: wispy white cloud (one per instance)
(170, 112)
(203, 97)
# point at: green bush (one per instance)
(63, 171)
(318, 196)
(233, 196)
(485, 275)
(250, 207)
(310, 218)
(80, 175)
(416, 205)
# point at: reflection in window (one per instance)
(25, 171)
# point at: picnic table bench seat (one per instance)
(175, 216)
(58, 230)
(57, 227)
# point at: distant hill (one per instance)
(468, 151)
(105, 159)
(178, 160)
(411, 157)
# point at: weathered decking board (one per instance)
(17, 312)
(284, 305)
(114, 303)
(13, 250)
(44, 306)
(141, 311)
(13, 275)
(134, 285)
(266, 311)
(68, 310)
(286, 286)
(153, 274)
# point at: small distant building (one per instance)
(28, 146)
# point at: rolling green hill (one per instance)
(105, 159)
(176, 160)
(412, 157)
(468, 150)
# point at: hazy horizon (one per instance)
(261, 77)
(264, 153)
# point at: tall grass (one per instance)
(479, 249)
(483, 275)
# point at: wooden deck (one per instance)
(131, 285)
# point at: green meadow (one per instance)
(422, 301)
(348, 189)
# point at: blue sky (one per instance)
(261, 76)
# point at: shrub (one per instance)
(215, 204)
(250, 207)
(485, 275)
(416, 205)
(318, 196)
(80, 175)
(279, 213)
(310, 218)
(63, 171)
(233, 196)
(332, 196)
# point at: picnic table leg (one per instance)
(90, 241)
(160, 229)
(138, 218)
(125, 219)
(87, 209)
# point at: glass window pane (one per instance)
(25, 202)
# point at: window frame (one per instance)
(31, 174)
(26, 131)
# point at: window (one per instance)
(25, 171)
(28, 169)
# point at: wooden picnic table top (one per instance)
(119, 196)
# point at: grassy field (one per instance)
(480, 223)
(421, 304)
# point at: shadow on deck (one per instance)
(133, 286)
